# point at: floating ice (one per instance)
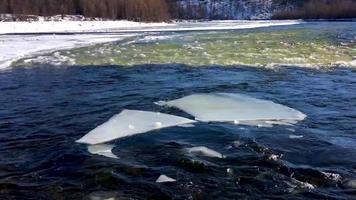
(131, 122)
(237, 108)
(205, 151)
(164, 179)
(102, 149)
(296, 136)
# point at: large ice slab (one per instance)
(237, 108)
(131, 122)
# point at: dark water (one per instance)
(44, 109)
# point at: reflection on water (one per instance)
(44, 109)
(317, 44)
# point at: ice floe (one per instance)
(131, 122)
(205, 151)
(164, 179)
(237, 108)
(102, 149)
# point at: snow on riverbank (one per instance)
(72, 26)
(128, 26)
(14, 45)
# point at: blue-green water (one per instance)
(45, 108)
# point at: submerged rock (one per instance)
(237, 108)
(131, 122)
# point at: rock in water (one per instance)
(205, 151)
(103, 150)
(164, 179)
(131, 122)
(227, 107)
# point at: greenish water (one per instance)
(317, 44)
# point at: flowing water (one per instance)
(47, 104)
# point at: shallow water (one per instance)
(46, 108)
(308, 44)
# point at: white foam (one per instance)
(103, 150)
(131, 122)
(205, 151)
(164, 179)
(238, 108)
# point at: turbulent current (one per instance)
(50, 101)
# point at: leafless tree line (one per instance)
(138, 10)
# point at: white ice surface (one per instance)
(164, 179)
(73, 26)
(237, 108)
(205, 151)
(103, 150)
(129, 26)
(14, 47)
(131, 122)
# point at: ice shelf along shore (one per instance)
(237, 108)
(131, 122)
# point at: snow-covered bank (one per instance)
(72, 26)
(15, 46)
(128, 26)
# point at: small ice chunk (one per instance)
(103, 150)
(304, 185)
(332, 176)
(205, 151)
(273, 157)
(295, 136)
(227, 107)
(164, 179)
(131, 122)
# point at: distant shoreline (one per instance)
(81, 18)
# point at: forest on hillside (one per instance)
(163, 10)
(138, 10)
